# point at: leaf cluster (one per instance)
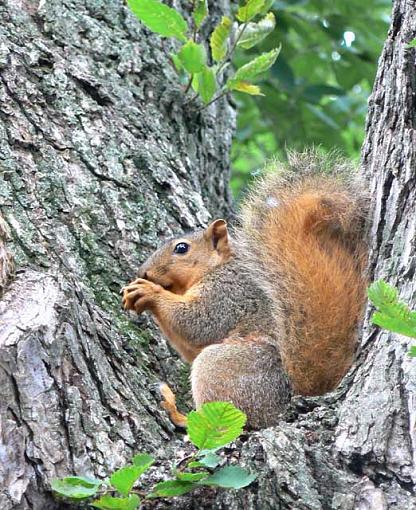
(252, 24)
(392, 314)
(316, 93)
(210, 428)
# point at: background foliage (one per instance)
(316, 92)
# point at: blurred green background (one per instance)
(316, 93)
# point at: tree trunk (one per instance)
(88, 108)
(100, 159)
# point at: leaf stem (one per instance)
(230, 53)
(194, 31)
(225, 92)
(188, 86)
(186, 459)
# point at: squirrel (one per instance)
(271, 309)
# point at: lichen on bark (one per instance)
(100, 160)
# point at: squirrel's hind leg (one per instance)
(247, 372)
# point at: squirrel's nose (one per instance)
(142, 273)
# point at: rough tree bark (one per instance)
(99, 160)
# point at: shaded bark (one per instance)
(99, 160)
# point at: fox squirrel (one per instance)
(271, 310)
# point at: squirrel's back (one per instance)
(302, 234)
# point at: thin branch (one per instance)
(188, 86)
(225, 92)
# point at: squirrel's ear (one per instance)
(217, 232)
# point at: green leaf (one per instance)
(200, 12)
(195, 464)
(76, 487)
(257, 66)
(193, 57)
(412, 44)
(396, 325)
(248, 88)
(215, 424)
(191, 477)
(218, 40)
(143, 461)
(267, 5)
(392, 314)
(210, 460)
(177, 62)
(171, 488)
(251, 8)
(232, 477)
(110, 503)
(123, 479)
(256, 32)
(160, 18)
(205, 84)
(382, 295)
(412, 351)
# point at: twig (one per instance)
(213, 100)
(187, 457)
(188, 86)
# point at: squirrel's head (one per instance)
(182, 262)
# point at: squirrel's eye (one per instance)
(181, 248)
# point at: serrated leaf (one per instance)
(205, 84)
(218, 40)
(123, 479)
(111, 503)
(250, 10)
(255, 67)
(215, 424)
(191, 477)
(76, 487)
(412, 44)
(256, 32)
(210, 460)
(193, 57)
(382, 294)
(232, 477)
(160, 18)
(171, 488)
(200, 12)
(248, 88)
(396, 325)
(392, 314)
(412, 351)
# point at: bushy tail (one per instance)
(304, 222)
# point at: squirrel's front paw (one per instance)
(140, 294)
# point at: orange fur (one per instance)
(313, 249)
(276, 309)
(169, 404)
